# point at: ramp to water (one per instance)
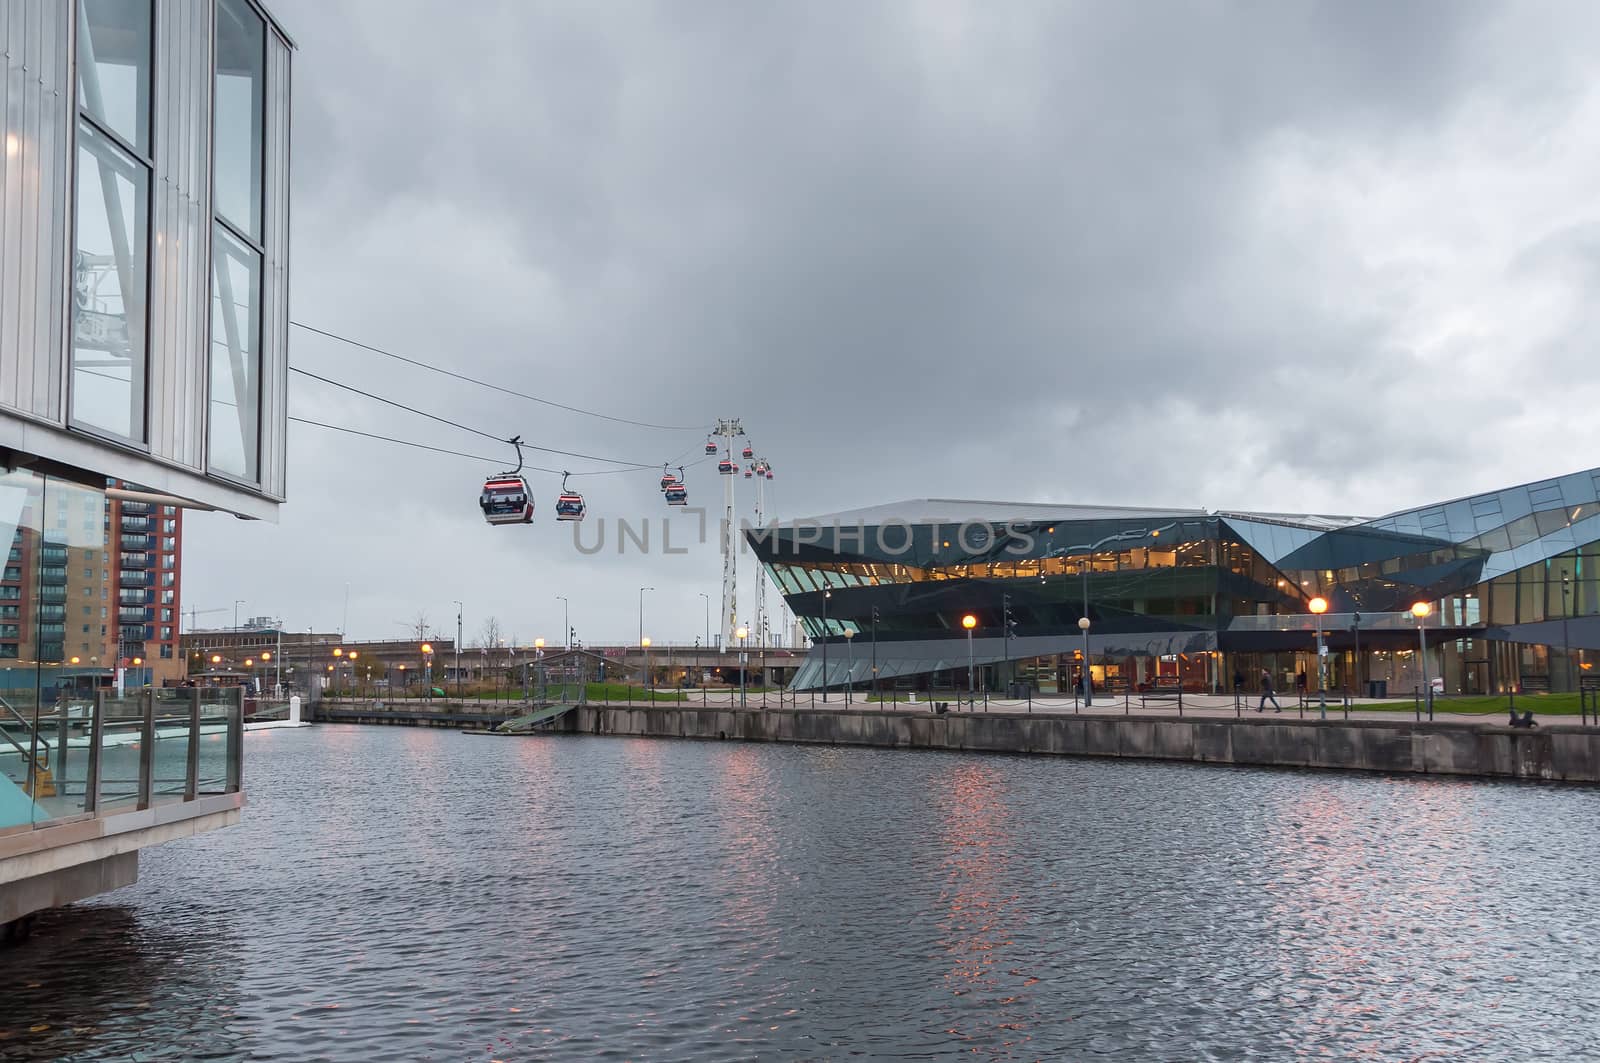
(528, 721)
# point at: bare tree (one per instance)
(489, 637)
(419, 627)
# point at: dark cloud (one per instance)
(1276, 255)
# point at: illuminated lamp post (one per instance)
(644, 644)
(427, 668)
(1420, 610)
(538, 653)
(969, 622)
(1318, 606)
(849, 675)
(1083, 680)
(741, 634)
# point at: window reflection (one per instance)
(235, 357)
(114, 67)
(110, 277)
(241, 44)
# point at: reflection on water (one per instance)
(421, 894)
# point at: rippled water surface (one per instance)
(411, 894)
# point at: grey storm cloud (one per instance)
(1285, 255)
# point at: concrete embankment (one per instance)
(456, 716)
(1557, 754)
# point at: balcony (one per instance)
(134, 579)
(135, 615)
(133, 597)
(52, 631)
(134, 560)
(52, 612)
(136, 542)
(52, 574)
(135, 507)
(53, 555)
(135, 524)
(52, 594)
(132, 633)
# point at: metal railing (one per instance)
(121, 753)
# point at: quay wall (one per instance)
(1555, 754)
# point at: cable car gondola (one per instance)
(711, 445)
(748, 473)
(726, 467)
(667, 479)
(677, 493)
(748, 452)
(569, 506)
(506, 498)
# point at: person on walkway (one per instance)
(1300, 684)
(1266, 692)
(1238, 681)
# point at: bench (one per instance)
(1163, 688)
(1535, 684)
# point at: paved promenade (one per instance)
(1195, 705)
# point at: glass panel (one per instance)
(241, 44)
(235, 358)
(114, 67)
(108, 288)
(120, 744)
(170, 767)
(217, 709)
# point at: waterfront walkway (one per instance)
(1198, 706)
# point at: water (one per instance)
(415, 894)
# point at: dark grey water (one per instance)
(403, 894)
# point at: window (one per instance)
(111, 257)
(235, 356)
(166, 652)
(239, 127)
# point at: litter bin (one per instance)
(1377, 688)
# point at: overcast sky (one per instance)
(1301, 257)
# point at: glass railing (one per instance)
(111, 753)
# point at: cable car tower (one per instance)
(728, 431)
(761, 470)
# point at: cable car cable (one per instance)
(495, 387)
(464, 427)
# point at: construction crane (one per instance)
(193, 612)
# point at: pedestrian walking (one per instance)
(1300, 684)
(1266, 693)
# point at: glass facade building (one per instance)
(144, 240)
(1511, 577)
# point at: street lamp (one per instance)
(850, 673)
(538, 652)
(1083, 680)
(874, 651)
(644, 644)
(641, 613)
(1420, 610)
(969, 622)
(458, 651)
(741, 634)
(566, 626)
(427, 668)
(707, 601)
(825, 596)
(1088, 550)
(1566, 642)
(1318, 606)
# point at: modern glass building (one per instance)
(144, 232)
(1512, 579)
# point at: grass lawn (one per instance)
(1486, 705)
